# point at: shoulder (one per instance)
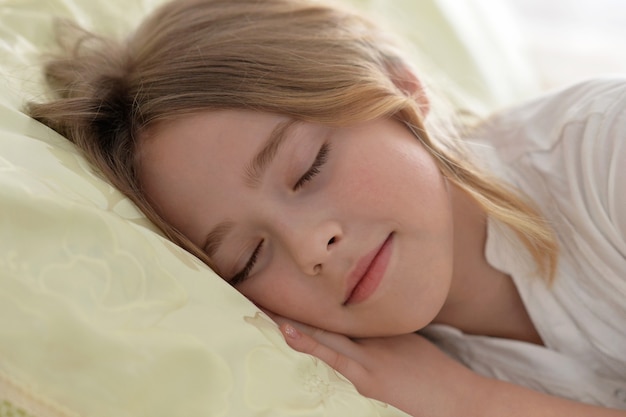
(538, 124)
(566, 150)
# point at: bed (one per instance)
(102, 316)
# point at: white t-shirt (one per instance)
(567, 151)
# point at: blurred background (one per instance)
(491, 53)
(567, 40)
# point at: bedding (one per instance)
(99, 314)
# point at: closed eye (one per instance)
(242, 275)
(320, 160)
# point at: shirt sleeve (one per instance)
(567, 151)
(594, 146)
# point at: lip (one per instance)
(368, 273)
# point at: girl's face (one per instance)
(346, 229)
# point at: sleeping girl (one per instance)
(292, 147)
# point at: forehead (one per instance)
(197, 161)
(211, 138)
(216, 129)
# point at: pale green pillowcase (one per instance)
(99, 315)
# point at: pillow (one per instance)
(99, 314)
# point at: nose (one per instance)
(311, 244)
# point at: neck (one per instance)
(482, 300)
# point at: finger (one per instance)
(344, 364)
(335, 341)
(305, 328)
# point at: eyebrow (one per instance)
(216, 236)
(258, 165)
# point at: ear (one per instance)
(405, 79)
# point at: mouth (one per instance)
(368, 273)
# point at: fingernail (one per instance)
(291, 331)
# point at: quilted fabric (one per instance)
(99, 314)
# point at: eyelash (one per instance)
(320, 160)
(242, 275)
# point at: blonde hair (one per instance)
(293, 57)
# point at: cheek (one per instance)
(279, 290)
(402, 178)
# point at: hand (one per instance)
(413, 375)
(406, 371)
